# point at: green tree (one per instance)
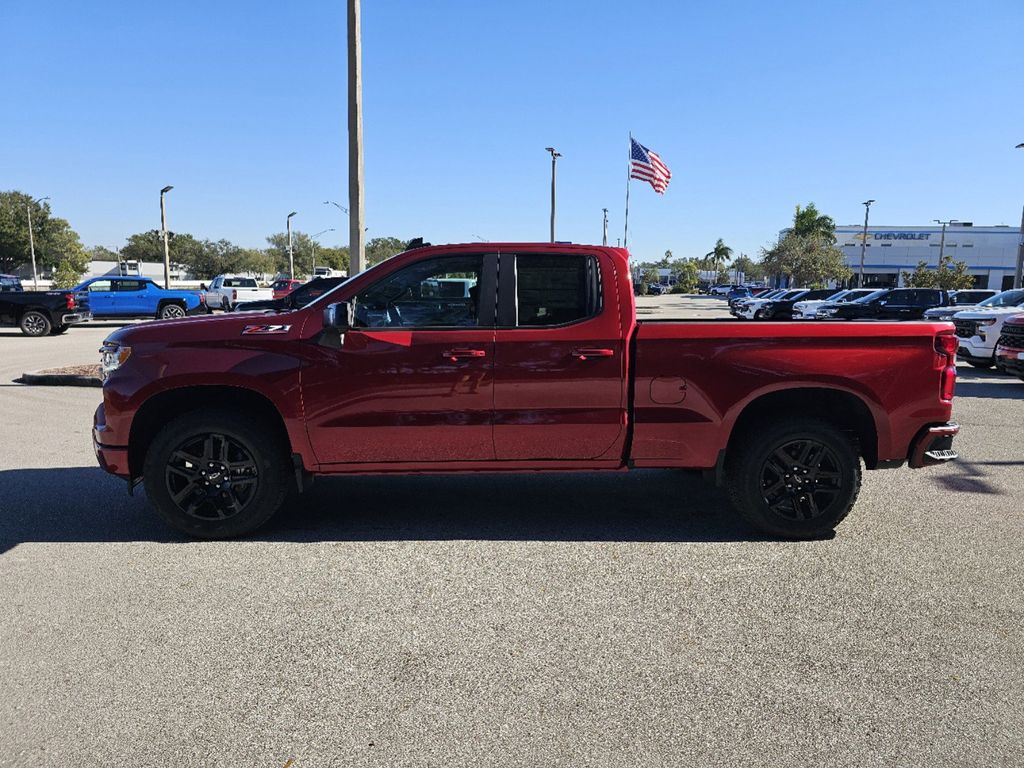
(687, 273)
(950, 275)
(335, 258)
(148, 247)
(301, 248)
(751, 270)
(807, 259)
(809, 221)
(69, 270)
(54, 238)
(381, 248)
(717, 259)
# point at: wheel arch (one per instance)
(168, 404)
(846, 410)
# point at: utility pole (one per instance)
(604, 236)
(942, 240)
(163, 232)
(356, 244)
(291, 254)
(32, 242)
(1018, 274)
(554, 159)
(864, 241)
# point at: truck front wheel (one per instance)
(214, 475)
(796, 479)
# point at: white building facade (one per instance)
(989, 252)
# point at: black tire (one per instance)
(171, 311)
(194, 457)
(35, 323)
(980, 364)
(810, 494)
(59, 329)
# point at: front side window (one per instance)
(442, 292)
(101, 286)
(556, 289)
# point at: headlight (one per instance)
(990, 321)
(112, 357)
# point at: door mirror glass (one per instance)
(340, 316)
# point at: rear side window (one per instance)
(556, 290)
(126, 286)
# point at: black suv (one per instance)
(897, 304)
(783, 310)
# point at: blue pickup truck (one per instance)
(139, 297)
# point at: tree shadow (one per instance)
(84, 504)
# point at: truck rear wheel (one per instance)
(214, 475)
(171, 311)
(796, 479)
(35, 323)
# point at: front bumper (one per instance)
(111, 458)
(1011, 360)
(973, 349)
(934, 445)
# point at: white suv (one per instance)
(979, 328)
(808, 310)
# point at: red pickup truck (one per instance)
(511, 357)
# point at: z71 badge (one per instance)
(265, 329)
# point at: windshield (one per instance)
(1005, 299)
(872, 296)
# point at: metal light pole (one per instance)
(942, 240)
(604, 235)
(312, 241)
(341, 208)
(163, 233)
(864, 241)
(291, 256)
(356, 244)
(554, 159)
(1018, 274)
(32, 242)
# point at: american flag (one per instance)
(647, 166)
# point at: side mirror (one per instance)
(340, 316)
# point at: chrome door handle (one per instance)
(454, 355)
(586, 353)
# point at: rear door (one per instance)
(130, 298)
(559, 371)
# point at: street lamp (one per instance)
(291, 257)
(313, 246)
(163, 233)
(864, 241)
(1018, 274)
(554, 159)
(604, 235)
(341, 208)
(32, 242)
(942, 240)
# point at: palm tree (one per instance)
(809, 221)
(717, 259)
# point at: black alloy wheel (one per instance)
(214, 473)
(794, 477)
(801, 479)
(211, 477)
(171, 312)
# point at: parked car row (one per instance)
(1010, 347)
(854, 304)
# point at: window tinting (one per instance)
(435, 293)
(125, 286)
(555, 290)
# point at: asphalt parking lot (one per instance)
(506, 620)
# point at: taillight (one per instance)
(202, 298)
(69, 300)
(945, 346)
(234, 295)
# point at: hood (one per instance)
(983, 312)
(211, 328)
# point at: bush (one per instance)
(680, 288)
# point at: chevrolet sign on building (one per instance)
(990, 252)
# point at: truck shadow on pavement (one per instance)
(83, 504)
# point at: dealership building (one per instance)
(990, 252)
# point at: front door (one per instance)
(413, 381)
(101, 297)
(559, 374)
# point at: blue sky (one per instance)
(754, 106)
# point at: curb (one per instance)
(59, 380)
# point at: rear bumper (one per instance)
(72, 318)
(200, 309)
(934, 445)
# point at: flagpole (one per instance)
(629, 157)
